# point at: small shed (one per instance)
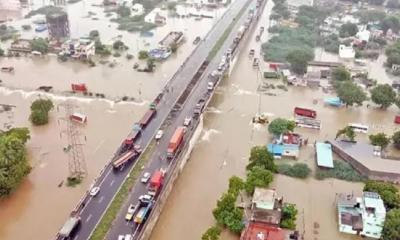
(324, 155)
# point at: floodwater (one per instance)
(39, 206)
(227, 138)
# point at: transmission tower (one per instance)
(76, 156)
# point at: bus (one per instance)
(358, 127)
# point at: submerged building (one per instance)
(58, 25)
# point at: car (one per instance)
(145, 198)
(187, 121)
(145, 178)
(138, 148)
(210, 86)
(128, 237)
(131, 211)
(159, 134)
(94, 191)
(121, 237)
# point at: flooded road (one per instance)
(227, 138)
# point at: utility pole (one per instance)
(76, 157)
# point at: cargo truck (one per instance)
(305, 112)
(69, 228)
(147, 117)
(156, 182)
(124, 158)
(175, 142)
(143, 212)
(129, 142)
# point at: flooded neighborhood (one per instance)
(218, 119)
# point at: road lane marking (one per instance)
(101, 199)
(76, 237)
(112, 182)
(88, 218)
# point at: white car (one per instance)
(128, 237)
(159, 134)
(94, 191)
(187, 121)
(210, 86)
(131, 210)
(145, 198)
(145, 178)
(121, 237)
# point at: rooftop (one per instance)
(264, 198)
(324, 155)
(261, 231)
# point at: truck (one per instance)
(175, 142)
(70, 226)
(143, 212)
(147, 117)
(124, 158)
(156, 183)
(305, 112)
(240, 33)
(129, 141)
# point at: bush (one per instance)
(289, 215)
(94, 34)
(391, 227)
(40, 111)
(119, 45)
(143, 54)
(40, 45)
(298, 170)
(129, 56)
(379, 139)
(212, 233)
(117, 54)
(342, 171)
(389, 193)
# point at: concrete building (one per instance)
(362, 216)
(346, 52)
(261, 231)
(323, 152)
(58, 25)
(78, 48)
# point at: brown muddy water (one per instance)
(228, 136)
(39, 206)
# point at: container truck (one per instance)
(143, 212)
(70, 226)
(305, 112)
(156, 183)
(175, 142)
(124, 158)
(147, 117)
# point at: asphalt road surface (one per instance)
(110, 180)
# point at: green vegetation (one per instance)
(260, 157)
(47, 10)
(289, 214)
(257, 177)
(26, 27)
(41, 45)
(280, 10)
(119, 45)
(7, 33)
(331, 43)
(384, 95)
(129, 56)
(150, 64)
(367, 16)
(121, 196)
(376, 2)
(298, 60)
(73, 181)
(212, 233)
(173, 47)
(388, 192)
(341, 74)
(94, 34)
(348, 132)
(40, 111)
(143, 54)
(297, 170)
(1, 52)
(14, 165)
(390, 22)
(279, 126)
(393, 54)
(123, 11)
(351, 94)
(396, 139)
(391, 227)
(101, 49)
(393, 4)
(348, 30)
(341, 170)
(379, 139)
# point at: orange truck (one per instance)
(175, 142)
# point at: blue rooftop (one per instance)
(275, 149)
(324, 155)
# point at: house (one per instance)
(362, 216)
(137, 9)
(286, 150)
(346, 52)
(261, 231)
(266, 207)
(82, 48)
(363, 35)
(324, 155)
(289, 138)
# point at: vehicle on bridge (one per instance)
(70, 227)
(175, 142)
(143, 213)
(147, 118)
(129, 142)
(132, 209)
(198, 109)
(124, 159)
(156, 182)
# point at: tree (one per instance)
(212, 233)
(396, 139)
(298, 170)
(391, 227)
(260, 157)
(1, 52)
(384, 95)
(348, 30)
(236, 184)
(143, 54)
(40, 111)
(14, 165)
(40, 45)
(379, 139)
(124, 11)
(150, 64)
(289, 213)
(94, 34)
(227, 214)
(367, 16)
(279, 126)
(351, 94)
(390, 22)
(388, 192)
(348, 132)
(119, 45)
(298, 60)
(101, 48)
(258, 177)
(341, 74)
(393, 4)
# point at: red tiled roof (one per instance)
(259, 229)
